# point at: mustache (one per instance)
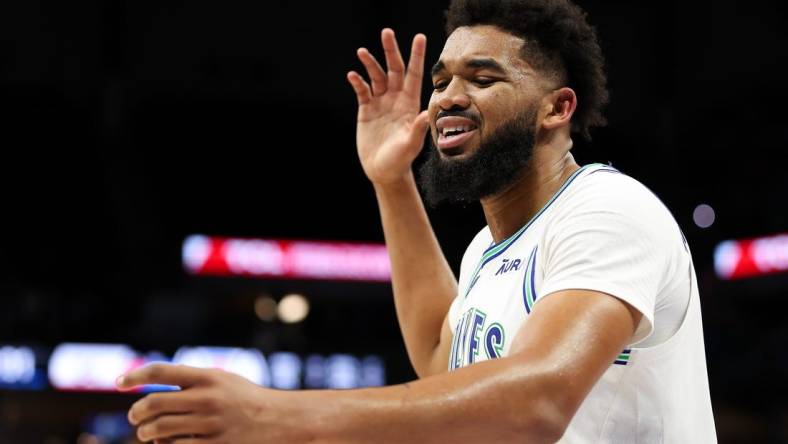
(475, 118)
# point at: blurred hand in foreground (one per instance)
(213, 406)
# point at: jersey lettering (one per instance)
(472, 336)
(494, 338)
(508, 265)
(476, 327)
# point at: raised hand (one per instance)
(390, 129)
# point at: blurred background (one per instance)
(179, 183)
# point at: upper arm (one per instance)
(575, 335)
(440, 358)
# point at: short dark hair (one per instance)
(558, 40)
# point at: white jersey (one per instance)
(601, 231)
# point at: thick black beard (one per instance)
(495, 166)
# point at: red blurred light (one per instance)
(218, 256)
(735, 259)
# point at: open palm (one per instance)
(390, 129)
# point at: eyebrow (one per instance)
(438, 67)
(490, 64)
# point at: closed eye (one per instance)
(480, 81)
(484, 81)
(439, 85)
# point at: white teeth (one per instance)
(455, 129)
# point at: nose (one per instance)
(453, 96)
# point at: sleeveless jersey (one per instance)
(602, 231)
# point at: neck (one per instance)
(507, 211)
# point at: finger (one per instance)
(396, 67)
(415, 74)
(188, 439)
(374, 70)
(166, 374)
(194, 439)
(158, 404)
(185, 439)
(420, 126)
(169, 427)
(361, 87)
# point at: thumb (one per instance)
(420, 125)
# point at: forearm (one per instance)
(497, 401)
(423, 283)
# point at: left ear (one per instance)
(560, 105)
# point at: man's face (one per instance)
(481, 82)
(484, 113)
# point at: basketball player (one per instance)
(576, 317)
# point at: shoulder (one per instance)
(609, 217)
(479, 244)
(481, 241)
(611, 234)
(610, 196)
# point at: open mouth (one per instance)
(454, 131)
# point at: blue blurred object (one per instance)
(20, 369)
(109, 427)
